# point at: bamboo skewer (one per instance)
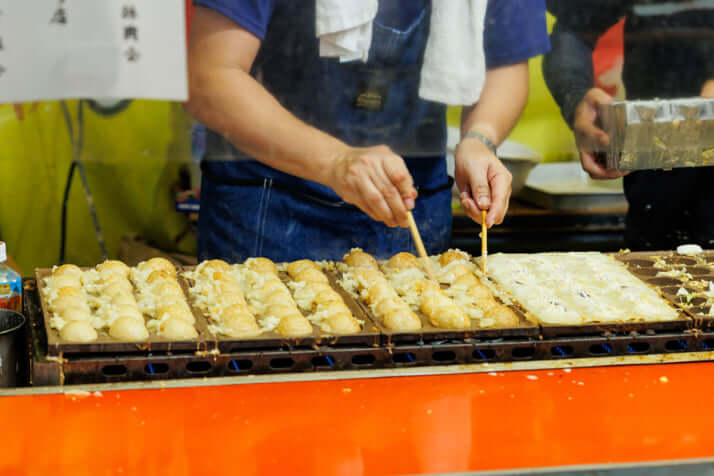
(484, 241)
(420, 246)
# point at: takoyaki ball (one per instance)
(452, 255)
(311, 275)
(401, 318)
(261, 265)
(366, 276)
(280, 296)
(327, 296)
(343, 323)
(156, 264)
(158, 276)
(65, 281)
(69, 291)
(237, 321)
(76, 314)
(177, 329)
(503, 316)
(456, 271)
(294, 325)
(334, 308)
(450, 316)
(113, 268)
(211, 267)
(466, 281)
(128, 329)
(117, 286)
(281, 310)
(357, 258)
(123, 299)
(403, 260)
(176, 311)
(78, 331)
(68, 270)
(228, 287)
(169, 288)
(129, 311)
(379, 291)
(61, 304)
(479, 293)
(296, 267)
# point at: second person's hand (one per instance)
(589, 138)
(377, 181)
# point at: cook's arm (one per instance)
(227, 99)
(568, 67)
(483, 181)
(568, 72)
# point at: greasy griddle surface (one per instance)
(369, 336)
(107, 344)
(430, 333)
(700, 267)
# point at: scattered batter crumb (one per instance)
(77, 393)
(346, 390)
(532, 377)
(663, 379)
(428, 412)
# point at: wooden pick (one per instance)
(420, 246)
(484, 241)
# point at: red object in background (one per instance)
(608, 54)
(189, 16)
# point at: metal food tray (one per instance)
(429, 333)
(700, 267)
(104, 368)
(564, 186)
(659, 134)
(106, 344)
(369, 336)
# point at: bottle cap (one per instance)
(3, 252)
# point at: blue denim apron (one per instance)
(250, 209)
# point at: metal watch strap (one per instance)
(485, 140)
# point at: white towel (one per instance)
(454, 68)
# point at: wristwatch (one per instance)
(485, 140)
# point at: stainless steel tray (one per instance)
(564, 186)
(659, 134)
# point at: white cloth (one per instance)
(454, 68)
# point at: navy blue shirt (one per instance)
(515, 30)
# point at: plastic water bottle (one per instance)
(10, 283)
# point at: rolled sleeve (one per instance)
(514, 31)
(253, 15)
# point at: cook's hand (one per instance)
(376, 180)
(589, 138)
(483, 181)
(708, 89)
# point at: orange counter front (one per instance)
(354, 426)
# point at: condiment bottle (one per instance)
(10, 283)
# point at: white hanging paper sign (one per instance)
(62, 49)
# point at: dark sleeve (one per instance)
(568, 68)
(514, 31)
(253, 15)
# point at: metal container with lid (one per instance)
(658, 134)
